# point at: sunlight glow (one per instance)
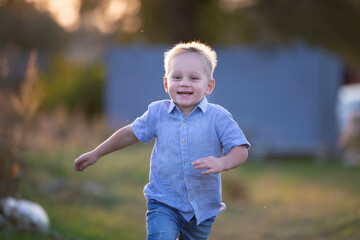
(115, 10)
(107, 20)
(106, 17)
(2, 2)
(64, 12)
(109, 16)
(131, 24)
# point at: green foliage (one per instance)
(293, 199)
(184, 21)
(332, 24)
(73, 86)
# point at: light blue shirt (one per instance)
(209, 130)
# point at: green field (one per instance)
(274, 199)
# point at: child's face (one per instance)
(188, 81)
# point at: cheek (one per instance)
(173, 84)
(171, 88)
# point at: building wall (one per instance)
(282, 98)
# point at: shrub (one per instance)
(73, 86)
(15, 122)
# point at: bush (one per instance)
(73, 86)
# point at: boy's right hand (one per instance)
(85, 160)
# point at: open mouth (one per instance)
(185, 93)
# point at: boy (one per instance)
(184, 190)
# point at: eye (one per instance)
(176, 77)
(194, 78)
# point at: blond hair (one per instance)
(205, 51)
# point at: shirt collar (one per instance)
(202, 105)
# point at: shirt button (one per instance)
(188, 180)
(183, 141)
(191, 198)
(185, 161)
(184, 120)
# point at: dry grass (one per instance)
(266, 200)
(288, 202)
(61, 129)
(269, 200)
(17, 113)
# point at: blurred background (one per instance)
(73, 71)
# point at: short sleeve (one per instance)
(229, 133)
(143, 127)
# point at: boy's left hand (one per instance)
(212, 164)
(233, 159)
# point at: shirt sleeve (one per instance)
(229, 133)
(143, 127)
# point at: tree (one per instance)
(332, 24)
(25, 27)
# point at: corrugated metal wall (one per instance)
(282, 98)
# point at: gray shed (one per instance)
(283, 98)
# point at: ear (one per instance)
(165, 85)
(210, 87)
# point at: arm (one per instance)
(122, 138)
(233, 159)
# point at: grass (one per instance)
(294, 200)
(277, 199)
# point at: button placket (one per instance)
(185, 157)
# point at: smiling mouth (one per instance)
(185, 93)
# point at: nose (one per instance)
(185, 83)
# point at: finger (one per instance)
(81, 167)
(203, 162)
(78, 167)
(80, 164)
(206, 164)
(207, 171)
(203, 165)
(197, 162)
(211, 171)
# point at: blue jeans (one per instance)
(166, 223)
